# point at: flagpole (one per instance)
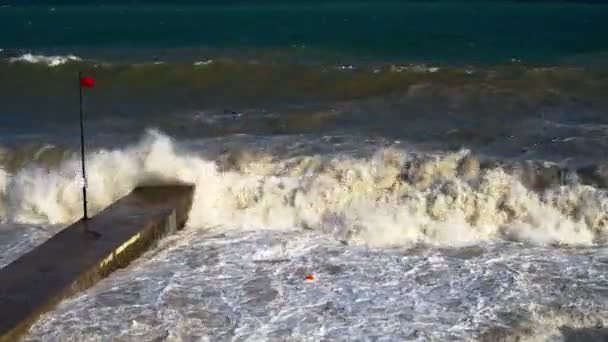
(84, 172)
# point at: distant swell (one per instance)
(219, 81)
(392, 198)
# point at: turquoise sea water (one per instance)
(404, 31)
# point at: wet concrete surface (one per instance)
(81, 254)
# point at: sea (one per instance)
(439, 167)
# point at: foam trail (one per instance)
(389, 199)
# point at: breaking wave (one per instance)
(391, 198)
(51, 61)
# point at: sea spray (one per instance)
(391, 198)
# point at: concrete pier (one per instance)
(78, 256)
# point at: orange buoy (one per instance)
(310, 278)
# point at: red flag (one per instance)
(87, 82)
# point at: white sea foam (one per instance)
(203, 63)
(361, 200)
(217, 281)
(251, 286)
(414, 68)
(51, 61)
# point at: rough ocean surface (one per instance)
(441, 168)
(402, 248)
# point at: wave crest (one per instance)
(392, 198)
(51, 61)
